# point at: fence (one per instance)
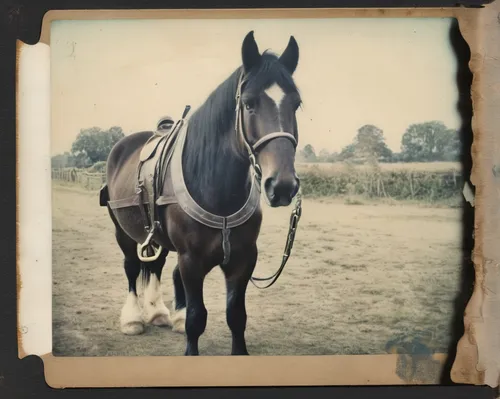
(80, 177)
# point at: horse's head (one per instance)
(268, 101)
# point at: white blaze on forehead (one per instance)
(276, 93)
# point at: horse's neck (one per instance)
(222, 185)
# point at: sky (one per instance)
(387, 72)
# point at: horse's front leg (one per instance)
(193, 274)
(238, 272)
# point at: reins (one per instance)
(257, 173)
(294, 222)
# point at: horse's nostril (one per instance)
(269, 186)
(281, 191)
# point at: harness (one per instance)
(160, 185)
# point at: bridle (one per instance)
(252, 150)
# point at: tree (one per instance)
(369, 143)
(66, 160)
(60, 160)
(349, 151)
(396, 157)
(333, 157)
(430, 141)
(449, 145)
(323, 155)
(308, 153)
(93, 144)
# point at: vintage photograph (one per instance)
(262, 187)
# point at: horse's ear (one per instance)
(290, 57)
(250, 52)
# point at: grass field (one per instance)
(359, 277)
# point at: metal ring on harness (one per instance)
(142, 248)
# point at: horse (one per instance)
(244, 136)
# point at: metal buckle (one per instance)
(256, 167)
(294, 222)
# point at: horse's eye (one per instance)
(250, 104)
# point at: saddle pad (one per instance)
(158, 146)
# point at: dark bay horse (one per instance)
(245, 129)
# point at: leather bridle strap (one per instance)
(272, 136)
(253, 148)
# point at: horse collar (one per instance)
(193, 209)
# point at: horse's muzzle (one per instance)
(281, 191)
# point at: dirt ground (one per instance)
(359, 276)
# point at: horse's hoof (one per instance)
(179, 321)
(179, 327)
(161, 320)
(157, 316)
(132, 328)
(131, 322)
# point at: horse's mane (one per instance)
(213, 148)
